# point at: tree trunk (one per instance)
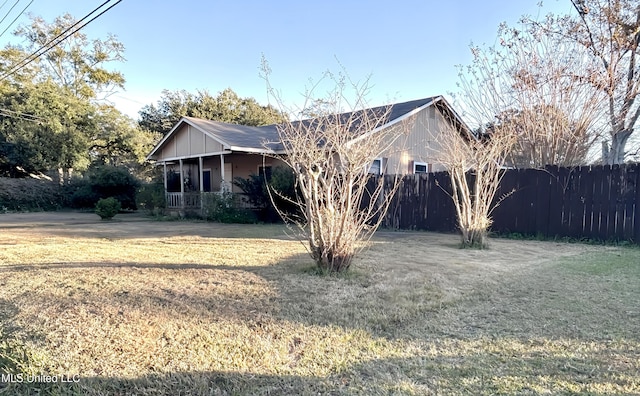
(614, 154)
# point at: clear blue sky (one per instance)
(410, 48)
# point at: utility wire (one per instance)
(44, 48)
(9, 12)
(15, 19)
(55, 42)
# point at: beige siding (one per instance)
(188, 142)
(418, 142)
(211, 146)
(242, 166)
(245, 164)
(182, 141)
(169, 149)
(196, 141)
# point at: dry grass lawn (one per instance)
(140, 307)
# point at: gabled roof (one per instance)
(264, 139)
(236, 137)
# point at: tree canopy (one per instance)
(539, 81)
(77, 63)
(52, 111)
(585, 66)
(609, 32)
(227, 106)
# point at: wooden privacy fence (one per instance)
(595, 202)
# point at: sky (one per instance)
(408, 49)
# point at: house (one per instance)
(202, 156)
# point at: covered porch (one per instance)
(200, 158)
(189, 181)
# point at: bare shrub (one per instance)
(475, 165)
(340, 206)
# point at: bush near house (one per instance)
(282, 183)
(151, 198)
(223, 209)
(106, 208)
(103, 182)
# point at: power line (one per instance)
(15, 19)
(9, 12)
(52, 43)
(57, 40)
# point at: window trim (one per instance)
(418, 163)
(380, 160)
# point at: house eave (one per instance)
(184, 157)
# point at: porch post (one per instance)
(181, 186)
(222, 185)
(200, 164)
(181, 178)
(165, 176)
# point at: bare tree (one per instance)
(535, 81)
(607, 32)
(340, 205)
(475, 165)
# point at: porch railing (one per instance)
(193, 200)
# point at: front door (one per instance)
(206, 180)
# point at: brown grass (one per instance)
(143, 307)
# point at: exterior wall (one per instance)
(418, 142)
(242, 165)
(188, 142)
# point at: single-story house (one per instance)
(202, 156)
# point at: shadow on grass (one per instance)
(484, 373)
(544, 330)
(130, 226)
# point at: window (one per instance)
(265, 171)
(421, 167)
(376, 167)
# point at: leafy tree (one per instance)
(76, 63)
(52, 114)
(118, 140)
(226, 107)
(42, 127)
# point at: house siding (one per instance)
(210, 145)
(420, 144)
(243, 165)
(188, 142)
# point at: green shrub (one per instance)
(102, 182)
(282, 182)
(222, 208)
(106, 208)
(151, 198)
(82, 194)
